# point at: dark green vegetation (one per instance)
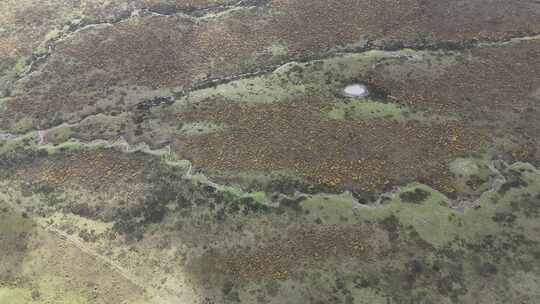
(416, 196)
(245, 247)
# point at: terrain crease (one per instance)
(204, 84)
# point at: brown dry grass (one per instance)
(294, 136)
